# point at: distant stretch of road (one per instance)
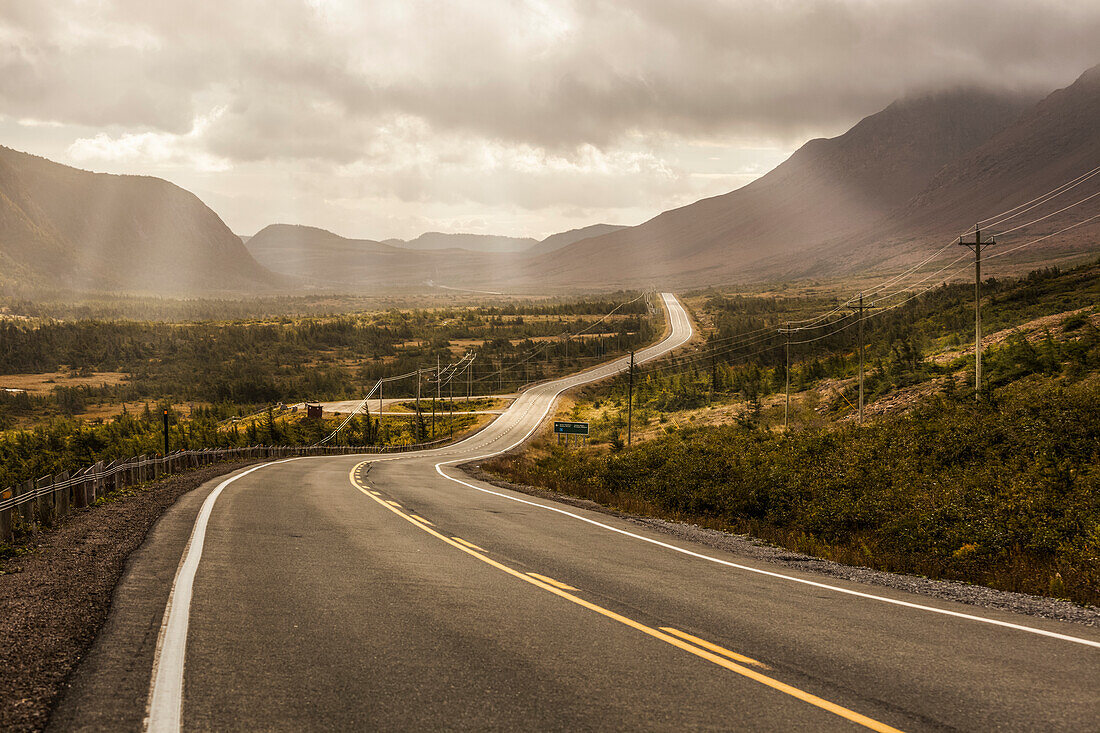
(365, 593)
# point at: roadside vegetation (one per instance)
(227, 383)
(1004, 491)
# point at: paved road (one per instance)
(396, 592)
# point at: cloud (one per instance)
(151, 148)
(570, 104)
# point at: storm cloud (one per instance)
(386, 118)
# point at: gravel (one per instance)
(755, 549)
(54, 598)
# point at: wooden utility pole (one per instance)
(860, 310)
(977, 244)
(436, 400)
(380, 383)
(166, 431)
(787, 348)
(416, 429)
(630, 404)
(469, 379)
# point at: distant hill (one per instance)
(471, 242)
(828, 189)
(65, 227)
(563, 239)
(327, 260)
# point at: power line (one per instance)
(1053, 193)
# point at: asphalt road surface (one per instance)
(364, 593)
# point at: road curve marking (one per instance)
(471, 545)
(164, 706)
(713, 647)
(769, 573)
(164, 709)
(659, 634)
(606, 370)
(551, 581)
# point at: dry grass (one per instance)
(44, 383)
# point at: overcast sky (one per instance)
(387, 118)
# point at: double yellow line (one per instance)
(693, 645)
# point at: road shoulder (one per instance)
(758, 550)
(58, 603)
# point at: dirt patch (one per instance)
(54, 597)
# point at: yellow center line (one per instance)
(421, 519)
(471, 545)
(393, 504)
(551, 581)
(714, 647)
(752, 674)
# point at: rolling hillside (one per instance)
(64, 227)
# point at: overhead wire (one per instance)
(1038, 200)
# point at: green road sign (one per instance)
(571, 428)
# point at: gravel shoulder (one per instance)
(755, 549)
(55, 597)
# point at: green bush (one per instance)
(1004, 493)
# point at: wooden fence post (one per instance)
(97, 482)
(61, 495)
(6, 532)
(80, 489)
(45, 501)
(27, 507)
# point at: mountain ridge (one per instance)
(67, 227)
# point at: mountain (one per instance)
(471, 242)
(563, 239)
(1055, 141)
(827, 190)
(65, 227)
(329, 261)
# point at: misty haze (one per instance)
(711, 365)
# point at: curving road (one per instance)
(396, 592)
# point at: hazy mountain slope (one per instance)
(60, 226)
(471, 242)
(563, 239)
(1055, 141)
(829, 188)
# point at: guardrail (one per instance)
(44, 501)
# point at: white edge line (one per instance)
(769, 573)
(164, 707)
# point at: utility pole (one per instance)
(381, 381)
(860, 311)
(630, 404)
(977, 244)
(436, 400)
(469, 379)
(787, 348)
(416, 429)
(451, 403)
(166, 431)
